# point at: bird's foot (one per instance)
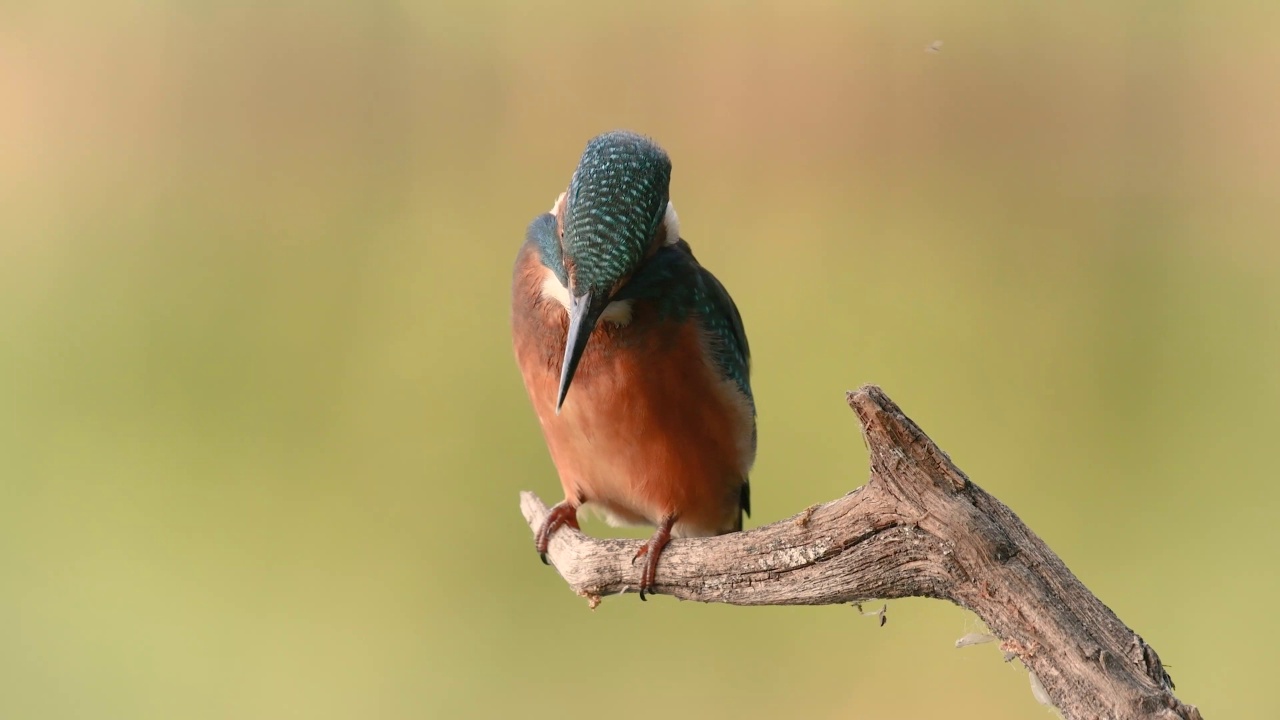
(563, 513)
(651, 551)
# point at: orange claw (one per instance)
(651, 551)
(564, 513)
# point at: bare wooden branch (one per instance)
(918, 528)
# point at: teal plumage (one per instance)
(541, 233)
(681, 289)
(615, 203)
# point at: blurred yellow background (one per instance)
(263, 435)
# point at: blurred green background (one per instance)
(262, 434)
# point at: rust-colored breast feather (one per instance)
(649, 429)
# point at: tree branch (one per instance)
(918, 528)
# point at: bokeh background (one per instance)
(262, 435)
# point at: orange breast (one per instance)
(648, 429)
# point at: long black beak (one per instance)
(584, 312)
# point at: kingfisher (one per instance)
(634, 357)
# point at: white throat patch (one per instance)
(672, 224)
(618, 312)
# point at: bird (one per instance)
(634, 357)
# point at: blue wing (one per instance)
(721, 318)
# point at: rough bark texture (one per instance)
(918, 528)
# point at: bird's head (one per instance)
(611, 219)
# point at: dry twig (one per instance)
(918, 528)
